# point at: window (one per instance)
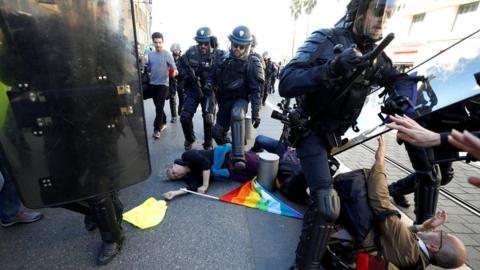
(417, 24)
(465, 18)
(466, 8)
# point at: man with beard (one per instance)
(195, 66)
(317, 74)
(239, 77)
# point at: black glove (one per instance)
(398, 105)
(208, 89)
(255, 122)
(347, 61)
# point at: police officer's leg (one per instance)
(446, 169)
(181, 98)
(427, 178)
(265, 93)
(208, 109)
(323, 207)
(186, 118)
(239, 110)
(222, 125)
(106, 214)
(173, 102)
(402, 187)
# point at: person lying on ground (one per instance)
(197, 167)
(415, 246)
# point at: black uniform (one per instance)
(270, 77)
(311, 74)
(239, 80)
(201, 65)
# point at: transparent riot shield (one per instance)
(71, 113)
(450, 78)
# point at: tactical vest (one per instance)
(201, 63)
(232, 79)
(333, 113)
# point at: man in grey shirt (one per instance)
(160, 64)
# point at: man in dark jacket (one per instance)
(239, 78)
(317, 74)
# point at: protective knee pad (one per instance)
(238, 113)
(426, 195)
(106, 218)
(208, 119)
(318, 222)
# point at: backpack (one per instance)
(354, 206)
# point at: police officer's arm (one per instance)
(307, 73)
(256, 78)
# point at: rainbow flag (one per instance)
(253, 195)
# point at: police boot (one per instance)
(238, 138)
(426, 194)
(173, 108)
(208, 119)
(318, 223)
(400, 188)
(187, 127)
(105, 212)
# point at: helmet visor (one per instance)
(372, 20)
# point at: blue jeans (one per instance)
(9, 201)
(270, 145)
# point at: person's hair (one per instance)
(157, 35)
(452, 254)
(168, 173)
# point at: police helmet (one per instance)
(175, 47)
(265, 55)
(203, 34)
(241, 35)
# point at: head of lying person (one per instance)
(178, 170)
(445, 250)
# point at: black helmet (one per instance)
(241, 35)
(203, 34)
(371, 17)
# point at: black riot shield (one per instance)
(71, 113)
(449, 78)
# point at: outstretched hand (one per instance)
(411, 132)
(466, 141)
(380, 154)
(435, 221)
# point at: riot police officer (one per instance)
(239, 77)
(270, 76)
(195, 66)
(318, 73)
(175, 86)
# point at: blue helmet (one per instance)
(203, 34)
(241, 35)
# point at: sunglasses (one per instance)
(203, 44)
(241, 47)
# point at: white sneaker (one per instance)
(163, 127)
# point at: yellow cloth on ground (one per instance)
(148, 214)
